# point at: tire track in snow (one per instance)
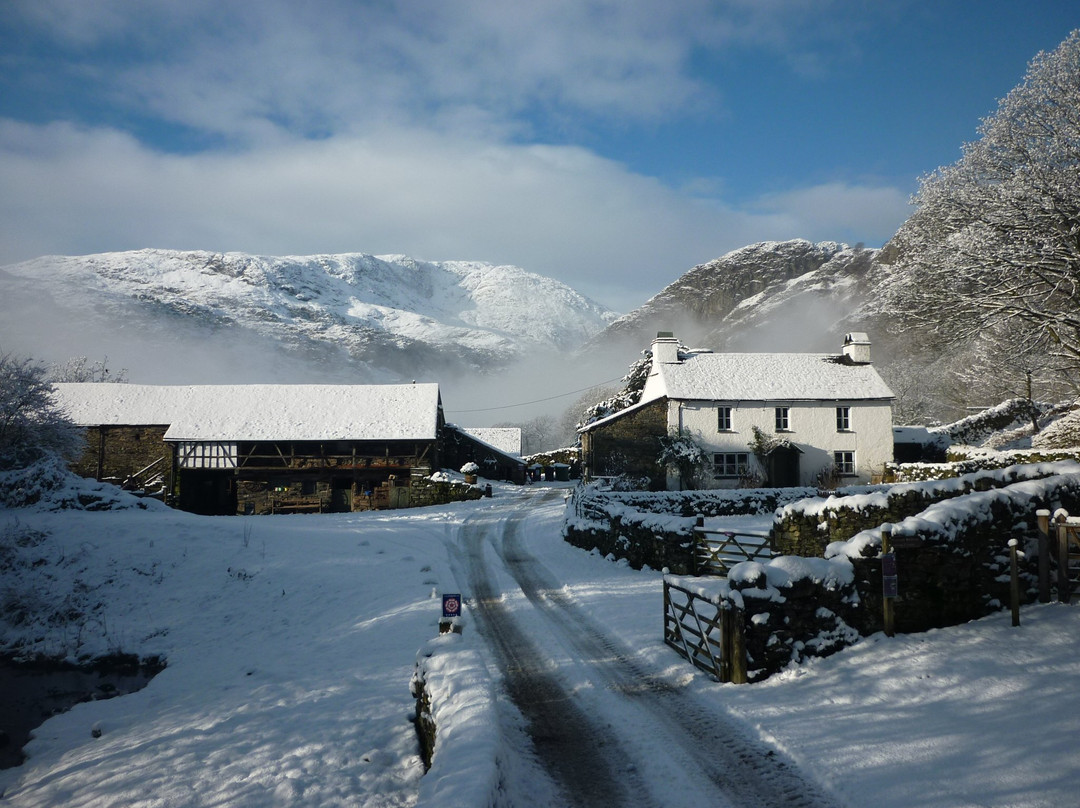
(745, 770)
(576, 752)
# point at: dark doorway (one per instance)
(341, 496)
(211, 493)
(783, 466)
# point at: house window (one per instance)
(782, 422)
(730, 464)
(723, 419)
(845, 463)
(843, 419)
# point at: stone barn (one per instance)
(261, 448)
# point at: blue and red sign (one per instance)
(451, 605)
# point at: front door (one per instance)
(784, 467)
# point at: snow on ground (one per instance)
(291, 641)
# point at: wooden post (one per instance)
(738, 647)
(1064, 595)
(887, 602)
(1042, 517)
(695, 549)
(1014, 583)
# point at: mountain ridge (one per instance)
(387, 316)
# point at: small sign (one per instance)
(889, 587)
(451, 605)
(888, 564)
(903, 542)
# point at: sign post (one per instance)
(1014, 582)
(451, 611)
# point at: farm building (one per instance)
(780, 419)
(264, 448)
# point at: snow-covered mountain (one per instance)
(354, 316)
(776, 295)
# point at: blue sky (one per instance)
(612, 145)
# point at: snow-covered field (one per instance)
(291, 641)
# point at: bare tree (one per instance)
(81, 369)
(994, 245)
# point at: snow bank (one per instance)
(462, 698)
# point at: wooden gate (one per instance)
(1059, 541)
(708, 635)
(715, 551)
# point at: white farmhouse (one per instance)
(817, 415)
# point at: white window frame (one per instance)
(783, 419)
(844, 460)
(843, 419)
(730, 465)
(723, 419)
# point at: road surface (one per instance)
(606, 730)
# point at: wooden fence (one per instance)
(707, 634)
(1059, 541)
(715, 551)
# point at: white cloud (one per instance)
(398, 127)
(560, 211)
(839, 211)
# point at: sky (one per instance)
(610, 145)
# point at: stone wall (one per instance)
(952, 558)
(642, 539)
(807, 528)
(656, 529)
(793, 613)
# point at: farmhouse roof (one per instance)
(252, 412)
(767, 377)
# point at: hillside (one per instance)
(776, 295)
(351, 316)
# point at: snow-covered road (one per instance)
(605, 727)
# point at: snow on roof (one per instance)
(505, 439)
(769, 377)
(260, 411)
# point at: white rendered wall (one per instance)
(812, 427)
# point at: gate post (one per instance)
(1064, 595)
(738, 647)
(1042, 517)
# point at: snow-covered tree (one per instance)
(994, 243)
(682, 453)
(30, 425)
(630, 394)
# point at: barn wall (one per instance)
(114, 453)
(628, 445)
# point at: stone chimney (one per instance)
(665, 348)
(857, 348)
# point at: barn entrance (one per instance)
(341, 495)
(210, 492)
